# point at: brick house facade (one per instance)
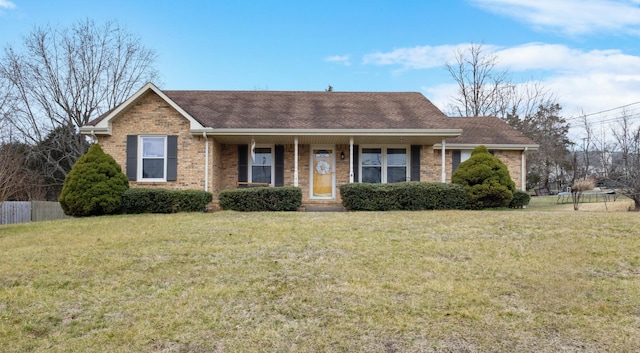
(216, 140)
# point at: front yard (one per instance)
(539, 279)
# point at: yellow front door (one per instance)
(322, 173)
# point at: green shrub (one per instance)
(94, 186)
(140, 200)
(486, 180)
(520, 199)
(284, 198)
(402, 196)
(192, 200)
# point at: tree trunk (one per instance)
(636, 203)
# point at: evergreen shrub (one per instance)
(142, 200)
(94, 186)
(486, 180)
(520, 199)
(282, 198)
(402, 196)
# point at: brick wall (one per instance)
(431, 164)
(152, 115)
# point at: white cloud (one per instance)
(343, 59)
(573, 17)
(584, 81)
(6, 4)
(560, 58)
(419, 57)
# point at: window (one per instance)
(262, 165)
(396, 165)
(371, 165)
(153, 158)
(384, 165)
(457, 157)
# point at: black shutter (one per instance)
(356, 163)
(132, 157)
(415, 162)
(279, 177)
(243, 163)
(172, 158)
(455, 160)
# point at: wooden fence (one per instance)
(29, 211)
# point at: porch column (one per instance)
(295, 161)
(351, 160)
(444, 170)
(523, 171)
(206, 161)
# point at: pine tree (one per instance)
(486, 180)
(94, 186)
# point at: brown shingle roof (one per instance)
(486, 131)
(310, 110)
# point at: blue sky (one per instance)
(586, 51)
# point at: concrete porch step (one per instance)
(322, 207)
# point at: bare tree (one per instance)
(61, 78)
(485, 90)
(16, 181)
(627, 171)
(481, 87)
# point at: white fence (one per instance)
(27, 211)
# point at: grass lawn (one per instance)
(543, 279)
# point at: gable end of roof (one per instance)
(102, 124)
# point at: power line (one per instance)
(604, 111)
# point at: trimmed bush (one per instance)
(402, 196)
(94, 186)
(486, 180)
(140, 200)
(520, 199)
(283, 198)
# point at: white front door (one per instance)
(322, 173)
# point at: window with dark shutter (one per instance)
(415, 162)
(132, 157)
(279, 171)
(172, 158)
(455, 160)
(243, 163)
(356, 163)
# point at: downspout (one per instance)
(295, 161)
(206, 161)
(351, 160)
(444, 170)
(523, 172)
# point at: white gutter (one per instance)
(470, 146)
(335, 132)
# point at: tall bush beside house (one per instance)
(486, 180)
(94, 186)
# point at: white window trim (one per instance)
(140, 159)
(464, 155)
(273, 162)
(383, 176)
